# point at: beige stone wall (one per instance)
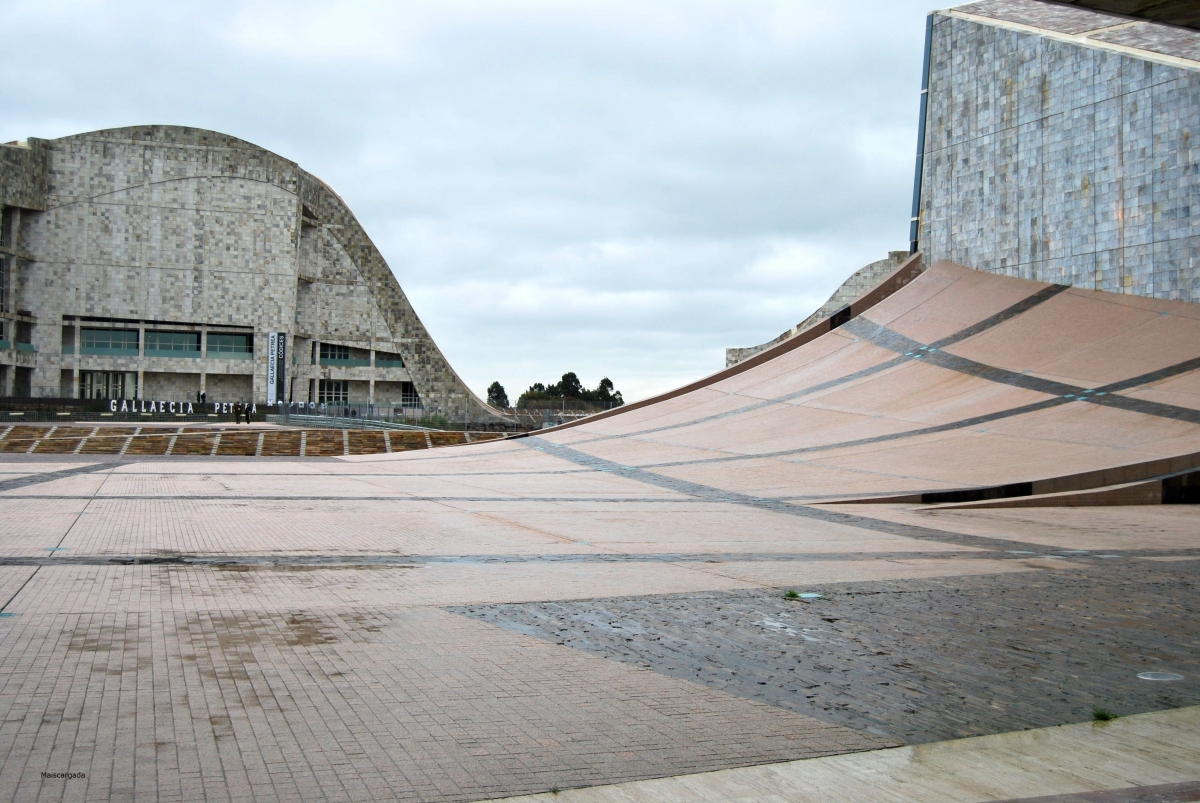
(228, 388)
(170, 387)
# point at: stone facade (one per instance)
(168, 229)
(1060, 145)
(859, 282)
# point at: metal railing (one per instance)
(336, 422)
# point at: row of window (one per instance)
(124, 342)
(337, 391)
(123, 385)
(333, 354)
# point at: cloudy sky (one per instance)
(613, 188)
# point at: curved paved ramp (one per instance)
(962, 378)
(604, 603)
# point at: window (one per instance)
(333, 391)
(118, 342)
(229, 345)
(24, 337)
(173, 344)
(385, 359)
(408, 395)
(4, 282)
(331, 352)
(108, 385)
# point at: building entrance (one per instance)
(108, 385)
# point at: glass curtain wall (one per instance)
(108, 384)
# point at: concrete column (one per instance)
(141, 360)
(14, 270)
(371, 383)
(75, 377)
(203, 358)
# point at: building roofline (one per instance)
(1085, 38)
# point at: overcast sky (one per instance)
(618, 189)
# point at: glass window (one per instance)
(110, 341)
(108, 385)
(384, 359)
(333, 390)
(173, 341)
(408, 395)
(229, 344)
(331, 352)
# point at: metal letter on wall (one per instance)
(272, 340)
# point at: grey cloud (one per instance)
(618, 189)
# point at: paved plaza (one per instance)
(601, 610)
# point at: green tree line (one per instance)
(569, 387)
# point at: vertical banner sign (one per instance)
(280, 352)
(272, 367)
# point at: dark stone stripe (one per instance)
(733, 497)
(50, 476)
(908, 433)
(1159, 793)
(1064, 393)
(1006, 314)
(425, 560)
(1022, 306)
(305, 498)
(401, 561)
(1103, 395)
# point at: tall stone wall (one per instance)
(1061, 161)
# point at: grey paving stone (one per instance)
(918, 660)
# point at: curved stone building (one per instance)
(163, 262)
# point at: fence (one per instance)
(351, 415)
(355, 415)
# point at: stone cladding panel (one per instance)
(1058, 161)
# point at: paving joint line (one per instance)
(1003, 316)
(787, 508)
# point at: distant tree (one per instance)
(569, 387)
(605, 394)
(497, 397)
